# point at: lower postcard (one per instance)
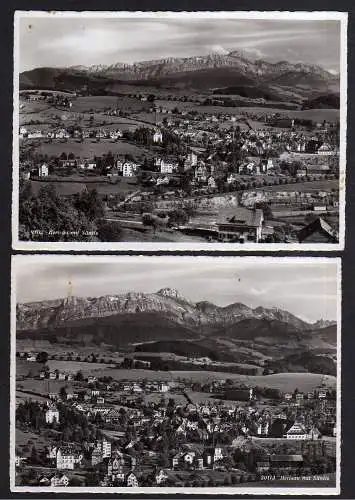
(176, 374)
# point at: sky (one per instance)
(307, 289)
(63, 42)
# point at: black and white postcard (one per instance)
(175, 375)
(179, 130)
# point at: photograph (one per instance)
(175, 374)
(179, 130)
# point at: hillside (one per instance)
(249, 78)
(328, 101)
(116, 330)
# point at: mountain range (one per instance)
(195, 73)
(166, 302)
(166, 321)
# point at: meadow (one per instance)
(75, 366)
(91, 148)
(305, 187)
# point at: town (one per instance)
(149, 166)
(136, 427)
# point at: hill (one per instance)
(328, 101)
(304, 361)
(116, 330)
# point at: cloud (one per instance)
(71, 41)
(218, 49)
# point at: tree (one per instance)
(79, 376)
(90, 204)
(49, 217)
(152, 220)
(63, 393)
(42, 357)
(109, 231)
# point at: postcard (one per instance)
(175, 374)
(179, 130)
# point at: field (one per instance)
(43, 386)
(287, 382)
(319, 185)
(91, 148)
(75, 366)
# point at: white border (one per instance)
(162, 246)
(55, 259)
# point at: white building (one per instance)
(52, 415)
(157, 137)
(23, 132)
(191, 160)
(168, 167)
(43, 170)
(298, 431)
(59, 481)
(325, 150)
(129, 169)
(35, 134)
(106, 448)
(211, 183)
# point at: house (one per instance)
(67, 457)
(325, 149)
(115, 134)
(190, 161)
(115, 468)
(131, 480)
(129, 169)
(161, 477)
(96, 456)
(318, 231)
(19, 460)
(43, 170)
(297, 431)
(246, 224)
(59, 480)
(67, 163)
(211, 183)
(52, 415)
(163, 181)
(35, 134)
(157, 137)
(168, 167)
(212, 455)
(263, 429)
(163, 387)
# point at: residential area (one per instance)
(136, 427)
(154, 167)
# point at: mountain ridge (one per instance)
(166, 302)
(207, 71)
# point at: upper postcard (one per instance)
(179, 130)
